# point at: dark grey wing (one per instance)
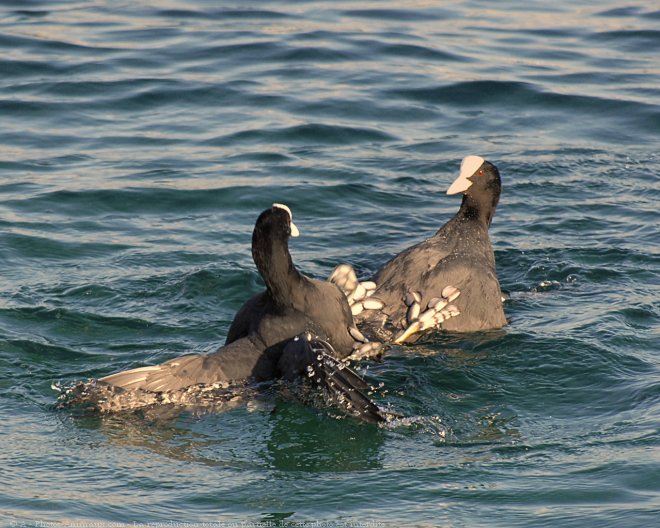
(247, 318)
(329, 315)
(405, 272)
(315, 360)
(242, 359)
(480, 302)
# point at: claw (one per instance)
(413, 312)
(373, 304)
(367, 304)
(357, 335)
(435, 301)
(357, 309)
(450, 293)
(370, 286)
(355, 291)
(413, 300)
(357, 294)
(412, 297)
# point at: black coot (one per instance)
(298, 325)
(459, 255)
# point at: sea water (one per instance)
(139, 141)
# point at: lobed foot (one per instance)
(363, 348)
(357, 293)
(344, 276)
(369, 350)
(437, 311)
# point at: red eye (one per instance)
(481, 173)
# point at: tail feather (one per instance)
(171, 375)
(348, 387)
(235, 362)
(315, 360)
(131, 379)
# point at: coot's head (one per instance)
(476, 175)
(276, 223)
(480, 183)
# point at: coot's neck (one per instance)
(480, 209)
(275, 266)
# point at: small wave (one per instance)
(469, 93)
(630, 11)
(408, 15)
(48, 45)
(570, 265)
(74, 318)
(244, 52)
(90, 89)
(647, 41)
(517, 94)
(313, 54)
(221, 14)
(147, 200)
(186, 94)
(38, 350)
(418, 52)
(30, 13)
(12, 68)
(367, 109)
(34, 246)
(312, 133)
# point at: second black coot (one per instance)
(295, 326)
(458, 255)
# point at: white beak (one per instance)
(294, 230)
(469, 166)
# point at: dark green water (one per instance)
(140, 140)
